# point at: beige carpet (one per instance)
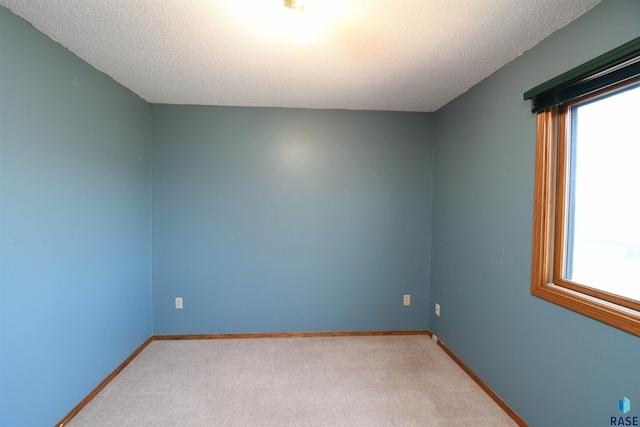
(341, 381)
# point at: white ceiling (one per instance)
(401, 55)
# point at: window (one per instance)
(600, 239)
(586, 245)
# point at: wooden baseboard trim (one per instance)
(100, 386)
(492, 394)
(287, 335)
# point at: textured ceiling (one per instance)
(403, 55)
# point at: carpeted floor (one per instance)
(341, 381)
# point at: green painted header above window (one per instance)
(612, 67)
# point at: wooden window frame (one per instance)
(547, 282)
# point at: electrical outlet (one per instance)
(179, 303)
(407, 300)
(434, 338)
(437, 309)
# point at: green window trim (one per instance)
(614, 66)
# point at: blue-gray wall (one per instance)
(269, 220)
(283, 220)
(553, 366)
(75, 284)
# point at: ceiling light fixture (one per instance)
(312, 18)
(305, 30)
(295, 4)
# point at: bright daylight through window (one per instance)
(602, 238)
(586, 236)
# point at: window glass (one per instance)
(602, 239)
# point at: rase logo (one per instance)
(624, 406)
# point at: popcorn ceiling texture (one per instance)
(400, 55)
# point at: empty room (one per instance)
(357, 212)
